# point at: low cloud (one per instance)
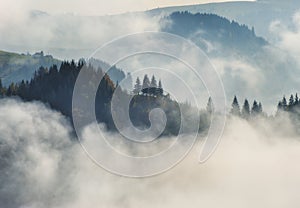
(66, 35)
(288, 38)
(42, 165)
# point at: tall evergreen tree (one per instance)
(1, 88)
(260, 108)
(146, 82)
(235, 110)
(159, 84)
(284, 103)
(296, 99)
(255, 108)
(210, 106)
(153, 82)
(137, 86)
(246, 109)
(279, 106)
(291, 101)
(12, 90)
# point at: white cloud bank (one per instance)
(254, 166)
(288, 39)
(97, 7)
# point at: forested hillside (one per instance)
(55, 86)
(204, 29)
(16, 67)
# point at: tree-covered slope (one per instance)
(16, 67)
(206, 29)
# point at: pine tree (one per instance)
(1, 88)
(12, 90)
(279, 106)
(255, 108)
(246, 110)
(146, 82)
(291, 101)
(284, 103)
(260, 108)
(159, 84)
(137, 86)
(153, 82)
(296, 99)
(210, 106)
(235, 107)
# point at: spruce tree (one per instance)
(137, 86)
(210, 106)
(153, 82)
(284, 103)
(146, 82)
(296, 99)
(235, 107)
(1, 88)
(159, 84)
(260, 108)
(255, 108)
(291, 101)
(246, 110)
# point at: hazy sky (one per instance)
(94, 7)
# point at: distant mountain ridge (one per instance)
(205, 29)
(259, 13)
(15, 67)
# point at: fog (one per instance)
(66, 36)
(288, 37)
(42, 165)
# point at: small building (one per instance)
(155, 91)
(38, 54)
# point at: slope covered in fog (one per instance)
(42, 165)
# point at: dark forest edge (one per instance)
(54, 86)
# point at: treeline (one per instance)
(292, 106)
(246, 111)
(213, 28)
(55, 86)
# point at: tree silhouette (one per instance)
(246, 109)
(153, 82)
(12, 90)
(260, 108)
(137, 86)
(291, 101)
(146, 82)
(284, 103)
(235, 110)
(210, 106)
(255, 109)
(296, 99)
(1, 88)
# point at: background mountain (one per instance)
(16, 67)
(248, 63)
(213, 33)
(259, 14)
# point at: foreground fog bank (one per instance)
(43, 166)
